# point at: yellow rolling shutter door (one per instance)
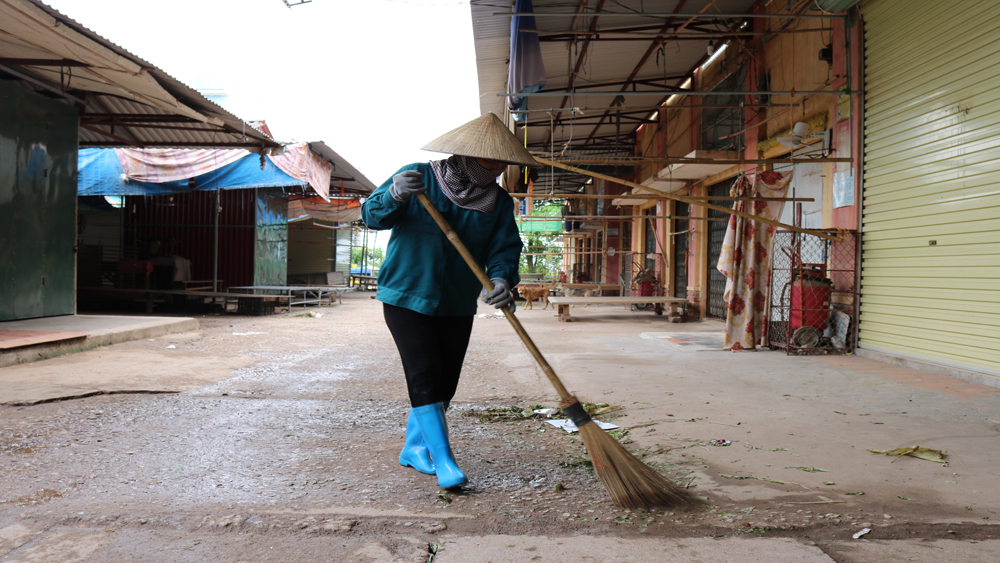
(931, 218)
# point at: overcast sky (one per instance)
(375, 79)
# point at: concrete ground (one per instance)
(101, 330)
(280, 436)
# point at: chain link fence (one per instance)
(813, 293)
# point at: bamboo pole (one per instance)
(689, 200)
(485, 280)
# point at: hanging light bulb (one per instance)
(711, 47)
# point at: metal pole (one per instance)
(604, 257)
(651, 198)
(645, 36)
(646, 108)
(661, 15)
(663, 93)
(364, 254)
(580, 159)
(215, 244)
(857, 146)
(523, 219)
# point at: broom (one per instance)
(628, 481)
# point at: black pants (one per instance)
(432, 350)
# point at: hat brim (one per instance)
(483, 137)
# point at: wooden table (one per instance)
(364, 282)
(200, 285)
(296, 294)
(246, 303)
(564, 303)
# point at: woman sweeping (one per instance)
(428, 292)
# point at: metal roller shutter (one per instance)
(310, 248)
(716, 237)
(931, 210)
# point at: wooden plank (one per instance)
(691, 201)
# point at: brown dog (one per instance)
(531, 293)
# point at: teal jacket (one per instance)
(422, 271)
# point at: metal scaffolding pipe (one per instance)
(677, 93)
(657, 198)
(651, 108)
(733, 161)
(668, 35)
(544, 219)
(215, 243)
(664, 15)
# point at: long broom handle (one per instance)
(485, 280)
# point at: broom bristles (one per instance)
(628, 481)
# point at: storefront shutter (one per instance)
(931, 210)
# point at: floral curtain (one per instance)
(746, 257)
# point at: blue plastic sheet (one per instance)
(100, 173)
(526, 73)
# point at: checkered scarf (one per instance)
(467, 183)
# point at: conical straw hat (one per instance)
(483, 137)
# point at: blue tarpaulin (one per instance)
(100, 173)
(526, 73)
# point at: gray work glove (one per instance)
(500, 296)
(405, 184)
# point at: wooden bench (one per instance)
(564, 303)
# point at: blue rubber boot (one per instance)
(434, 428)
(415, 453)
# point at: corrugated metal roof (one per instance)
(606, 66)
(126, 100)
(354, 181)
(491, 35)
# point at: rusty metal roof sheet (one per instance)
(125, 100)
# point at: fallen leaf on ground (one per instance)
(915, 451)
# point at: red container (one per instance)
(810, 302)
(645, 288)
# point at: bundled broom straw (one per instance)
(628, 481)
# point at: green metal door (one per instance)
(271, 245)
(38, 157)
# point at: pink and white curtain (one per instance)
(170, 165)
(746, 257)
(299, 162)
